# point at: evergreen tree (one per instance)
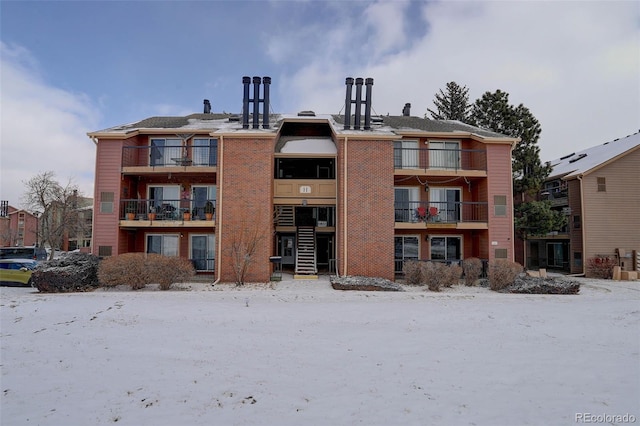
(537, 218)
(493, 112)
(452, 105)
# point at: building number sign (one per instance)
(305, 189)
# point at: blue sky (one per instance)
(78, 66)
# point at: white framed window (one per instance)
(200, 195)
(406, 201)
(407, 247)
(444, 155)
(446, 248)
(444, 204)
(406, 154)
(205, 151)
(164, 200)
(202, 250)
(106, 202)
(165, 152)
(164, 244)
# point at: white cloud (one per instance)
(43, 128)
(575, 65)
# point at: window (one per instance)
(577, 259)
(407, 200)
(447, 203)
(165, 152)
(576, 221)
(501, 253)
(200, 196)
(203, 252)
(205, 152)
(446, 248)
(500, 205)
(602, 184)
(106, 202)
(405, 154)
(444, 155)
(165, 201)
(104, 250)
(406, 248)
(305, 168)
(165, 244)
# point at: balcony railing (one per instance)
(169, 156)
(439, 159)
(146, 209)
(441, 212)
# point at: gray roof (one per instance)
(208, 122)
(580, 162)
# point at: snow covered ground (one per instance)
(301, 353)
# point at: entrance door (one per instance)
(446, 248)
(288, 249)
(324, 249)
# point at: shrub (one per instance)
(124, 269)
(452, 275)
(502, 273)
(139, 269)
(166, 270)
(600, 267)
(472, 267)
(435, 275)
(73, 272)
(412, 272)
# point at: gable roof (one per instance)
(583, 162)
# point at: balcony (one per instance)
(558, 196)
(168, 159)
(163, 213)
(443, 214)
(441, 161)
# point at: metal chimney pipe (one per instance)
(245, 102)
(356, 121)
(406, 111)
(207, 106)
(367, 106)
(256, 102)
(265, 102)
(347, 104)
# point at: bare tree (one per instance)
(58, 205)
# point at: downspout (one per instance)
(344, 215)
(582, 227)
(513, 232)
(219, 208)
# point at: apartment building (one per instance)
(18, 227)
(352, 194)
(597, 189)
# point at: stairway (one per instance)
(306, 251)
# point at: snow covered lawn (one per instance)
(304, 354)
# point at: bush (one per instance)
(472, 267)
(124, 269)
(72, 272)
(502, 273)
(434, 274)
(412, 272)
(600, 267)
(452, 275)
(139, 269)
(166, 270)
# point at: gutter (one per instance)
(582, 227)
(219, 208)
(344, 213)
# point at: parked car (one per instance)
(16, 272)
(31, 252)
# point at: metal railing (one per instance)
(149, 209)
(169, 156)
(441, 212)
(203, 264)
(439, 159)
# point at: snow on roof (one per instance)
(309, 146)
(581, 162)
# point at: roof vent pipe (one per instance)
(347, 104)
(207, 106)
(245, 102)
(358, 112)
(367, 106)
(256, 102)
(406, 111)
(265, 102)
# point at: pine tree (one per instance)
(493, 112)
(452, 105)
